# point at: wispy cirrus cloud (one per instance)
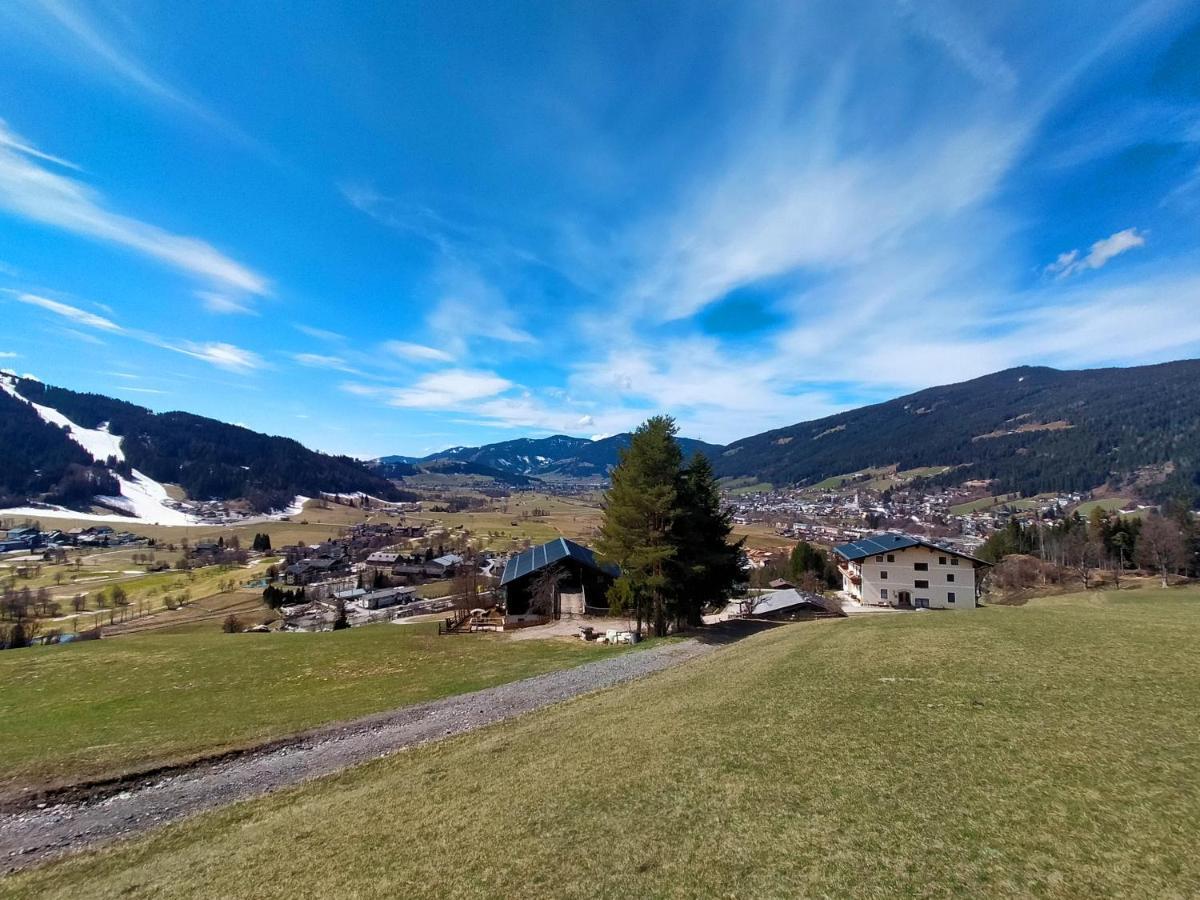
(416, 352)
(31, 190)
(449, 389)
(74, 313)
(226, 304)
(325, 361)
(321, 334)
(221, 354)
(80, 34)
(1072, 263)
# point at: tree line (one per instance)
(1163, 544)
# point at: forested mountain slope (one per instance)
(1031, 429)
(559, 456)
(209, 459)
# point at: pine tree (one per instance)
(640, 506)
(707, 566)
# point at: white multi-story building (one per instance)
(908, 573)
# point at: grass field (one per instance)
(1048, 750)
(1109, 504)
(1016, 501)
(507, 523)
(99, 708)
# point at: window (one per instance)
(891, 557)
(883, 593)
(921, 567)
(879, 559)
(954, 561)
(950, 578)
(950, 597)
(941, 560)
(920, 584)
(883, 573)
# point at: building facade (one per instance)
(905, 572)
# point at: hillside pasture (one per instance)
(507, 523)
(1107, 504)
(103, 708)
(1048, 750)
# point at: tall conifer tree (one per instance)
(640, 507)
(707, 566)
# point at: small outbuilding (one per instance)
(569, 572)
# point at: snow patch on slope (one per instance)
(142, 497)
(146, 500)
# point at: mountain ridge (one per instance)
(1026, 428)
(557, 456)
(69, 448)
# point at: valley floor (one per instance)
(1046, 750)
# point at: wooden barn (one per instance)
(570, 572)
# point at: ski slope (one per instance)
(141, 496)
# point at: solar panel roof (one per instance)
(547, 554)
(887, 543)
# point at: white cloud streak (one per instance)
(220, 354)
(416, 352)
(36, 193)
(225, 304)
(81, 316)
(325, 361)
(1071, 263)
(217, 353)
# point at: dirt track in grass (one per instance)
(87, 817)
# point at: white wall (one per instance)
(943, 578)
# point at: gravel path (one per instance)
(33, 836)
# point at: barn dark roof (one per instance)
(878, 544)
(546, 555)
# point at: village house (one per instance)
(386, 597)
(313, 569)
(907, 572)
(443, 565)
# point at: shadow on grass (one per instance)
(733, 630)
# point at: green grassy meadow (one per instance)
(101, 708)
(1107, 504)
(1047, 750)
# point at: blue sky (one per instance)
(394, 230)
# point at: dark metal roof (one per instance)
(878, 544)
(546, 555)
(875, 544)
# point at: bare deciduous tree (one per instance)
(543, 592)
(1082, 555)
(1161, 547)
